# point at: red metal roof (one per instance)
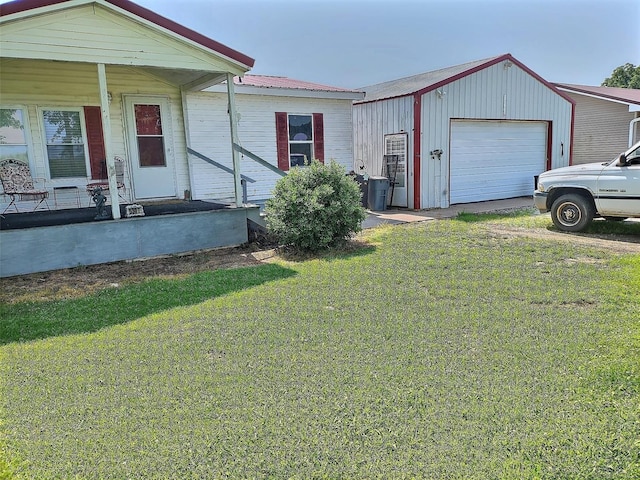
(18, 6)
(626, 95)
(268, 81)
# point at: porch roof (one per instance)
(116, 32)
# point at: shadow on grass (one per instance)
(22, 322)
(353, 248)
(627, 232)
(608, 227)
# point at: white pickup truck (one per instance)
(575, 195)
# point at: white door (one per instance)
(490, 160)
(151, 147)
(395, 151)
(619, 187)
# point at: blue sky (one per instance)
(353, 43)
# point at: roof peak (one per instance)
(24, 6)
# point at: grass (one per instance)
(527, 217)
(33, 320)
(445, 352)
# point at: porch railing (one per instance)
(243, 178)
(258, 160)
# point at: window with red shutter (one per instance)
(300, 139)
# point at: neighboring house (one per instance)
(84, 81)
(282, 121)
(472, 132)
(606, 121)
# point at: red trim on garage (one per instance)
(573, 118)
(549, 143)
(417, 131)
(26, 5)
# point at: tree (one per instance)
(625, 76)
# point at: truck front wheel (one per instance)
(572, 212)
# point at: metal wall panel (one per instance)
(371, 122)
(498, 92)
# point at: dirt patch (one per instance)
(72, 282)
(622, 244)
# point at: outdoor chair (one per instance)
(17, 182)
(104, 183)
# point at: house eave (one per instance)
(239, 62)
(633, 106)
(289, 92)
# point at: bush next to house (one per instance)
(315, 207)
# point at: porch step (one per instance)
(257, 217)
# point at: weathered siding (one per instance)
(209, 134)
(601, 129)
(34, 84)
(91, 33)
(494, 93)
(371, 122)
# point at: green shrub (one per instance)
(315, 207)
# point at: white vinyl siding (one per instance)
(209, 132)
(494, 160)
(70, 35)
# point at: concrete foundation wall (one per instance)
(41, 249)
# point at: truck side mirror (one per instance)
(622, 160)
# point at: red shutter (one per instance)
(95, 142)
(318, 137)
(282, 140)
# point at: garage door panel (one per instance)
(493, 160)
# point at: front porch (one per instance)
(50, 240)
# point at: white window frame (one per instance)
(27, 131)
(311, 142)
(45, 151)
(388, 142)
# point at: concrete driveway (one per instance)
(395, 216)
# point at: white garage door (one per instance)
(491, 160)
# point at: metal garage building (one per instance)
(468, 133)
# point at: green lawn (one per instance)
(443, 351)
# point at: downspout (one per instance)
(233, 120)
(632, 130)
(108, 148)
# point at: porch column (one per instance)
(108, 148)
(233, 119)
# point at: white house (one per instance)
(86, 81)
(472, 132)
(281, 121)
(606, 121)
